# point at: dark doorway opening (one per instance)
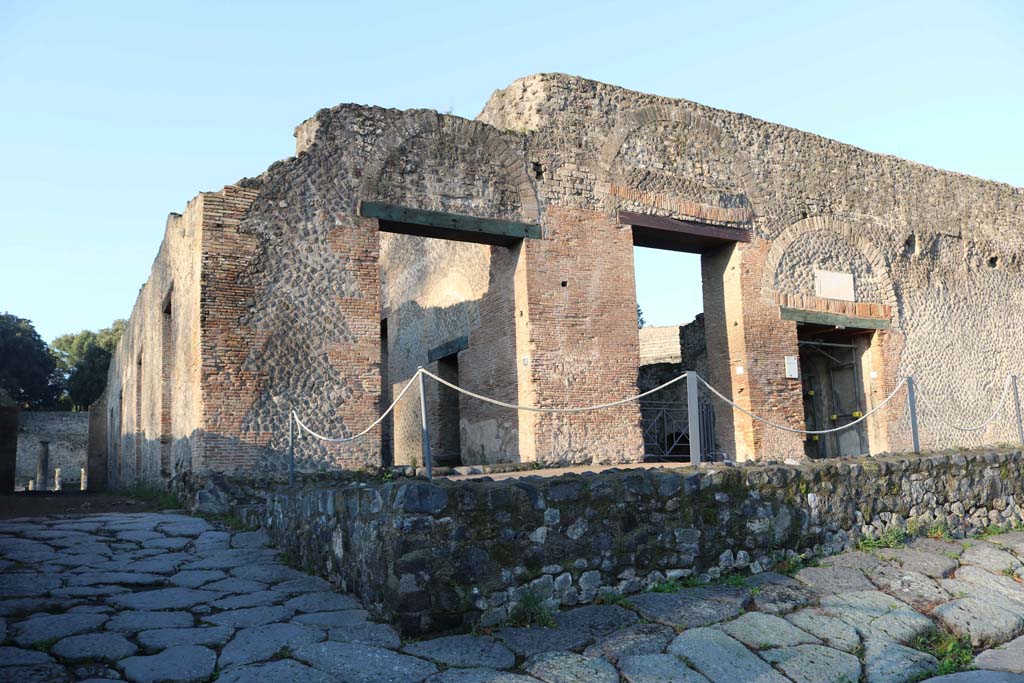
(387, 458)
(450, 439)
(832, 368)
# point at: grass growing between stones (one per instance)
(953, 652)
(531, 612)
(158, 497)
(609, 598)
(791, 565)
(893, 538)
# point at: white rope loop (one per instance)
(983, 424)
(532, 409)
(803, 431)
(366, 431)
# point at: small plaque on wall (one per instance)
(830, 284)
(792, 367)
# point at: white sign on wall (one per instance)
(792, 367)
(830, 284)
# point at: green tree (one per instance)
(27, 369)
(640, 322)
(84, 358)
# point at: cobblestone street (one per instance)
(166, 597)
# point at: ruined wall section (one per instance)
(134, 396)
(945, 249)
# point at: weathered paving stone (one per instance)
(347, 617)
(122, 578)
(814, 664)
(88, 591)
(16, 606)
(3, 630)
(256, 599)
(1004, 585)
(914, 588)
(569, 667)
(364, 663)
(194, 578)
(478, 676)
(654, 668)
(262, 642)
(250, 539)
(106, 647)
(163, 598)
(281, 671)
(855, 559)
(778, 594)
(834, 632)
(191, 527)
(44, 627)
(720, 658)
(691, 607)
(183, 664)
(380, 635)
(985, 623)
(888, 662)
(1012, 541)
(990, 557)
(835, 579)
(234, 585)
(267, 573)
(1007, 657)
(172, 543)
(760, 631)
(36, 673)
(464, 651)
(531, 641)
(875, 613)
(96, 672)
(250, 616)
(978, 677)
(638, 639)
(323, 602)
(162, 638)
(16, 656)
(934, 564)
(306, 584)
(595, 620)
(132, 622)
(230, 558)
(26, 584)
(139, 536)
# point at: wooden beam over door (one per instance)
(659, 232)
(447, 226)
(833, 319)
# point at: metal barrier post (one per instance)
(912, 402)
(291, 449)
(1016, 403)
(693, 416)
(427, 458)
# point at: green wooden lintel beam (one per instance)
(833, 319)
(438, 224)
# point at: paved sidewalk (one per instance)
(154, 597)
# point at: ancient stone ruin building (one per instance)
(499, 252)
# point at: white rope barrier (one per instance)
(983, 424)
(366, 431)
(532, 409)
(803, 431)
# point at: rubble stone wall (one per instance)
(443, 554)
(67, 433)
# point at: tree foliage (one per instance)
(27, 369)
(84, 358)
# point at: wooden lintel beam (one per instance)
(402, 219)
(833, 319)
(683, 228)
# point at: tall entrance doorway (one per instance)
(834, 363)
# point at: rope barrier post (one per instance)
(693, 417)
(1016, 402)
(291, 449)
(427, 458)
(912, 402)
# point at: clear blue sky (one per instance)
(114, 114)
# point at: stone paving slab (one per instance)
(157, 596)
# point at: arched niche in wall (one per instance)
(668, 161)
(822, 242)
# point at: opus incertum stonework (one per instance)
(498, 252)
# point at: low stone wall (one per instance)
(68, 434)
(447, 554)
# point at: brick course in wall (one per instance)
(278, 286)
